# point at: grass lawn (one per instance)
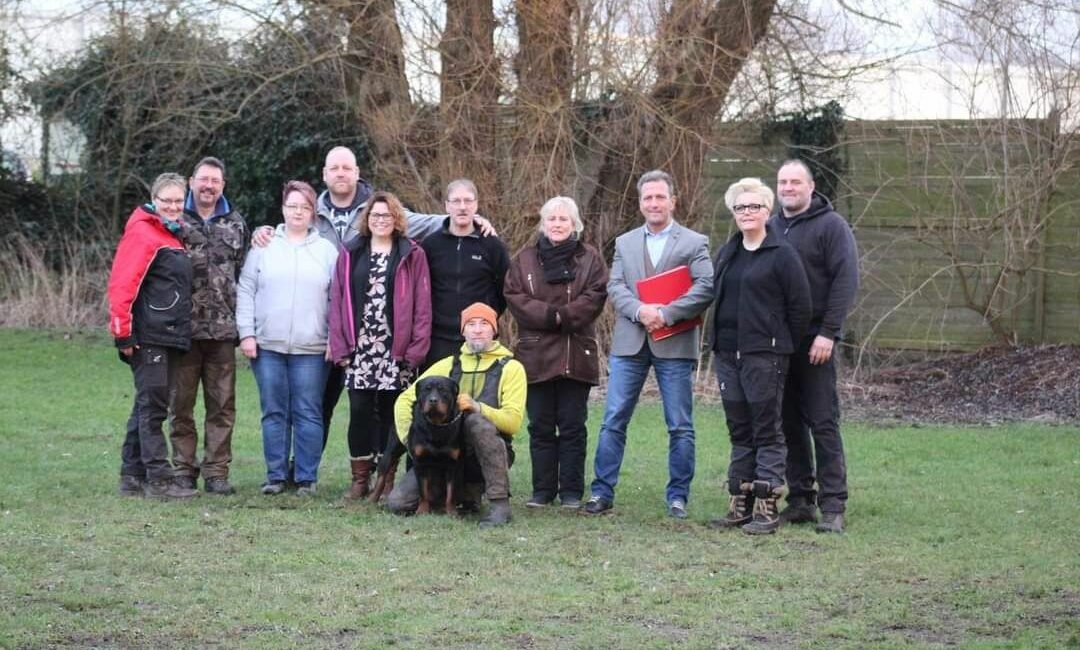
(957, 537)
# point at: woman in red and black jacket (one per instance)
(150, 320)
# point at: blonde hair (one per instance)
(566, 202)
(751, 185)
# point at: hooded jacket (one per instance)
(774, 296)
(284, 294)
(506, 416)
(217, 246)
(410, 316)
(830, 257)
(568, 349)
(150, 285)
(419, 225)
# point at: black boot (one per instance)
(498, 514)
(765, 519)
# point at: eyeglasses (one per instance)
(207, 180)
(380, 216)
(749, 207)
(160, 201)
(298, 207)
(461, 201)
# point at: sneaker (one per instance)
(831, 522)
(597, 506)
(538, 502)
(306, 489)
(677, 509)
(131, 486)
(167, 490)
(218, 485)
(185, 482)
(273, 488)
(570, 503)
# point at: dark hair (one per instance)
(401, 222)
(209, 161)
(304, 189)
(657, 175)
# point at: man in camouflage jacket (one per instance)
(216, 238)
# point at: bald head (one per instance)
(794, 187)
(341, 176)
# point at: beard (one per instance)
(477, 347)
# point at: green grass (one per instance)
(956, 537)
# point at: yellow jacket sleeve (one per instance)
(403, 406)
(512, 392)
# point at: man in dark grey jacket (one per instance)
(811, 409)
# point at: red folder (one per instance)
(662, 289)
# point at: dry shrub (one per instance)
(56, 285)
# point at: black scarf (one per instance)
(360, 249)
(557, 260)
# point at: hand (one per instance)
(343, 363)
(466, 403)
(128, 351)
(649, 316)
(820, 350)
(261, 237)
(249, 347)
(486, 229)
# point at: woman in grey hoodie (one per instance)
(282, 308)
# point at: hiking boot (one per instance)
(765, 519)
(799, 511)
(597, 506)
(831, 522)
(307, 489)
(218, 485)
(167, 490)
(185, 482)
(273, 488)
(498, 514)
(677, 509)
(131, 486)
(740, 506)
(361, 478)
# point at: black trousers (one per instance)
(558, 410)
(335, 383)
(371, 419)
(752, 388)
(145, 453)
(811, 416)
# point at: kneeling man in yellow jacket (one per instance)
(492, 397)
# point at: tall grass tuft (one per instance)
(56, 284)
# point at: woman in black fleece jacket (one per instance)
(761, 312)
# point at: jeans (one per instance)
(214, 364)
(626, 376)
(290, 394)
(557, 411)
(811, 415)
(752, 388)
(144, 453)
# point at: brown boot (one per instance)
(739, 506)
(361, 473)
(766, 518)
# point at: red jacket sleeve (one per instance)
(133, 257)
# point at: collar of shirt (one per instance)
(654, 242)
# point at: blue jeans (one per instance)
(626, 376)
(290, 394)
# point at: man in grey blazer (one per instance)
(659, 245)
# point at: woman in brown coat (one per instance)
(556, 289)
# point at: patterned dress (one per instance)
(371, 367)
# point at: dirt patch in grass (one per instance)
(991, 386)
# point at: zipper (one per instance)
(567, 370)
(532, 289)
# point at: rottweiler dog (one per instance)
(435, 443)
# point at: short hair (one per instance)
(463, 183)
(209, 161)
(751, 185)
(798, 162)
(338, 148)
(401, 221)
(564, 202)
(305, 190)
(165, 180)
(656, 175)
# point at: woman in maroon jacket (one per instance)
(150, 320)
(556, 289)
(380, 326)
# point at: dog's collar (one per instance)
(448, 422)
